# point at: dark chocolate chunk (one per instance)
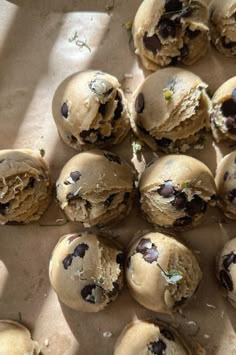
(183, 221)
(114, 291)
(67, 261)
(109, 200)
(126, 196)
(112, 157)
(234, 95)
(119, 107)
(80, 250)
(31, 182)
(228, 260)
(167, 189)
(195, 206)
(180, 201)
(163, 142)
(173, 5)
(192, 34)
(226, 281)
(87, 293)
(232, 195)
(157, 347)
(152, 43)
(151, 255)
(230, 123)
(167, 334)
(75, 175)
(85, 135)
(4, 207)
(102, 109)
(143, 245)
(228, 108)
(167, 28)
(139, 103)
(120, 258)
(226, 174)
(64, 110)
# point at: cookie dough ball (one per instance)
(170, 31)
(86, 271)
(226, 185)
(15, 339)
(223, 113)
(223, 26)
(161, 273)
(148, 337)
(24, 186)
(175, 191)
(170, 109)
(90, 110)
(226, 266)
(95, 188)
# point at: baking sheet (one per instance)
(37, 53)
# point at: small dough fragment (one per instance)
(86, 271)
(25, 186)
(223, 113)
(223, 26)
(170, 109)
(15, 339)
(162, 274)
(90, 110)
(167, 32)
(175, 191)
(95, 188)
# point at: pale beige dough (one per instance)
(175, 191)
(223, 26)
(86, 271)
(15, 339)
(223, 112)
(90, 110)
(170, 109)
(148, 259)
(95, 188)
(25, 186)
(167, 32)
(226, 185)
(226, 270)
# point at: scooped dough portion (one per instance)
(223, 113)
(15, 339)
(86, 271)
(170, 31)
(226, 185)
(90, 110)
(95, 188)
(161, 273)
(170, 109)
(226, 267)
(24, 186)
(223, 26)
(175, 191)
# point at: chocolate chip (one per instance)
(112, 157)
(180, 201)
(139, 103)
(64, 110)
(80, 250)
(67, 261)
(184, 51)
(163, 142)
(226, 174)
(167, 189)
(93, 294)
(4, 207)
(228, 108)
(102, 109)
(192, 34)
(85, 135)
(128, 262)
(143, 245)
(183, 221)
(126, 196)
(228, 260)
(157, 347)
(114, 291)
(226, 281)
(230, 123)
(120, 258)
(109, 200)
(195, 206)
(234, 95)
(75, 175)
(232, 195)
(167, 28)
(173, 5)
(152, 43)
(167, 334)
(119, 107)
(31, 182)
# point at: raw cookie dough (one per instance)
(223, 113)
(24, 186)
(170, 109)
(15, 339)
(223, 26)
(90, 110)
(226, 267)
(170, 31)
(175, 191)
(161, 273)
(226, 185)
(143, 337)
(95, 188)
(86, 271)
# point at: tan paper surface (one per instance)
(36, 55)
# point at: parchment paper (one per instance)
(37, 53)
